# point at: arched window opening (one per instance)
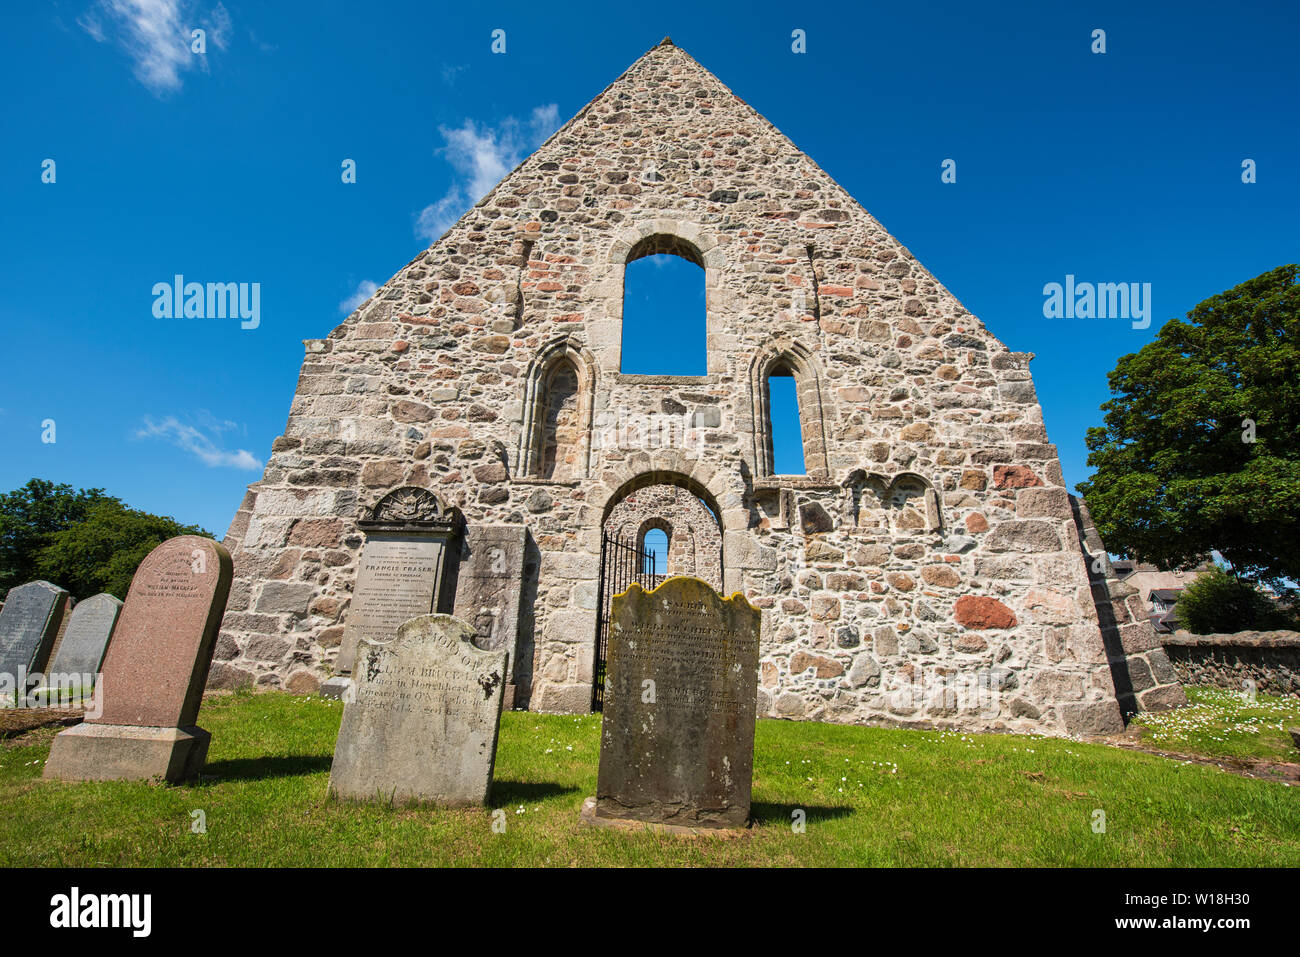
(560, 445)
(785, 424)
(656, 541)
(664, 326)
(789, 425)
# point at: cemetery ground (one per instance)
(872, 797)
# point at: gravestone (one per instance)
(488, 590)
(81, 652)
(400, 574)
(152, 678)
(677, 739)
(65, 616)
(422, 723)
(29, 623)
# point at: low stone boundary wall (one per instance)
(1271, 659)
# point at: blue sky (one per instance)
(1115, 167)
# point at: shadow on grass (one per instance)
(521, 792)
(257, 769)
(765, 813)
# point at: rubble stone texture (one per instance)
(1266, 661)
(926, 570)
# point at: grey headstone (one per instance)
(489, 586)
(86, 639)
(29, 622)
(422, 723)
(677, 740)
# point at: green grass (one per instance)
(873, 796)
(1226, 724)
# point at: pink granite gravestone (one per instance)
(153, 675)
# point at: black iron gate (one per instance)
(621, 563)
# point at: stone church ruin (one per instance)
(929, 567)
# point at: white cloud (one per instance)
(156, 36)
(200, 440)
(481, 157)
(365, 289)
(219, 32)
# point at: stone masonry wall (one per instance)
(1270, 660)
(695, 540)
(1144, 678)
(957, 596)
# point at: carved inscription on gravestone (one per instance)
(396, 581)
(29, 622)
(488, 589)
(422, 726)
(401, 572)
(85, 641)
(677, 740)
(158, 661)
(153, 674)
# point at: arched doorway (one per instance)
(694, 536)
(662, 502)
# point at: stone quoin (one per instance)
(929, 568)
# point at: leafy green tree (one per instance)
(85, 541)
(102, 552)
(1200, 450)
(1218, 602)
(28, 516)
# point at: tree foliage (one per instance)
(1200, 450)
(83, 540)
(28, 517)
(1216, 602)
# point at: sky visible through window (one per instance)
(664, 334)
(787, 441)
(663, 317)
(656, 540)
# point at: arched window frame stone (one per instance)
(529, 461)
(664, 234)
(812, 421)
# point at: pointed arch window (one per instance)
(555, 441)
(788, 410)
(560, 429)
(786, 427)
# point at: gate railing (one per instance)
(621, 563)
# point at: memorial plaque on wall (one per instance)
(397, 577)
(677, 739)
(422, 723)
(402, 567)
(489, 585)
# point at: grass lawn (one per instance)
(873, 797)
(1226, 724)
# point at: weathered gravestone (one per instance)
(90, 626)
(488, 590)
(152, 678)
(29, 623)
(677, 740)
(65, 616)
(401, 572)
(422, 725)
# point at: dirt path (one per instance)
(1284, 771)
(16, 721)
